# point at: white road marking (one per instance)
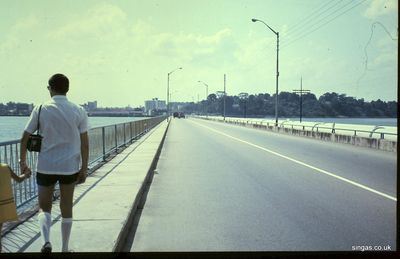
(303, 164)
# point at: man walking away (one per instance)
(63, 157)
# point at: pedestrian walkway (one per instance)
(102, 205)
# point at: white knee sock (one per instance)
(66, 224)
(44, 225)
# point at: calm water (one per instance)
(360, 121)
(11, 127)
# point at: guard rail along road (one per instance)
(378, 137)
(103, 142)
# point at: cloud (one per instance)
(101, 21)
(381, 7)
(25, 24)
(19, 34)
(384, 60)
(194, 48)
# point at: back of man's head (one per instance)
(59, 83)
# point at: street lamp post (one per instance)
(168, 90)
(206, 96)
(277, 68)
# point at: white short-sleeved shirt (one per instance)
(61, 123)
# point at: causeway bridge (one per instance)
(202, 184)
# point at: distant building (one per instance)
(154, 105)
(90, 106)
(16, 109)
(23, 108)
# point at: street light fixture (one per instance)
(206, 95)
(168, 90)
(277, 67)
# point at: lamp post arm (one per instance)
(256, 20)
(174, 70)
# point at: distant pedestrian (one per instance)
(8, 210)
(63, 157)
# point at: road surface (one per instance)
(221, 187)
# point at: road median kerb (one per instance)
(380, 144)
(120, 242)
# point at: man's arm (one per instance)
(22, 156)
(31, 126)
(85, 157)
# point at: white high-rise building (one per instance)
(154, 104)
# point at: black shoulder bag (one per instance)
(35, 140)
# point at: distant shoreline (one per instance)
(89, 115)
(248, 116)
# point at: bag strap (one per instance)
(38, 120)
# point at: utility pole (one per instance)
(243, 97)
(198, 104)
(301, 91)
(224, 93)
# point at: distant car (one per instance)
(181, 115)
(176, 114)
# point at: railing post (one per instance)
(116, 138)
(130, 131)
(103, 136)
(141, 127)
(136, 129)
(124, 134)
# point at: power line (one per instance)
(327, 22)
(308, 31)
(309, 16)
(315, 12)
(319, 14)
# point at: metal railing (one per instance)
(354, 132)
(103, 141)
(379, 132)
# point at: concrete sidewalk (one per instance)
(102, 205)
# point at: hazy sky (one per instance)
(119, 52)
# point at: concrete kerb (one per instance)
(381, 144)
(122, 237)
(153, 143)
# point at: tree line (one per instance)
(260, 105)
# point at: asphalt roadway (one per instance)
(221, 187)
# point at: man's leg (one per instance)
(66, 201)
(44, 216)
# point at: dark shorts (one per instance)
(51, 179)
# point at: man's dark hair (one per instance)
(59, 83)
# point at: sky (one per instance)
(120, 52)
